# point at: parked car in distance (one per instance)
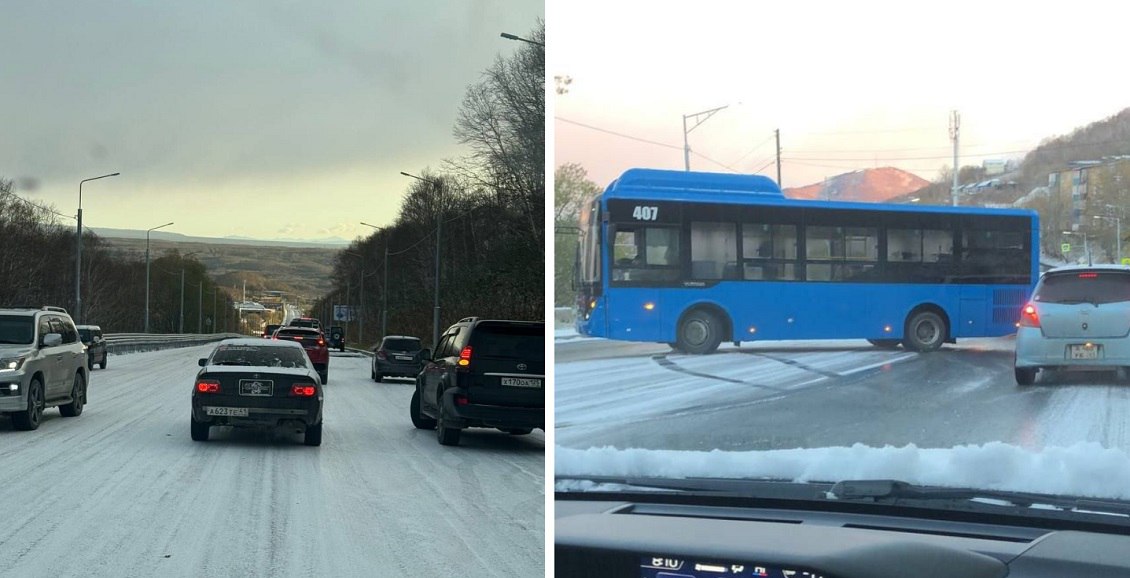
(248, 382)
(337, 338)
(42, 364)
(1078, 318)
(397, 356)
(484, 373)
(91, 336)
(305, 322)
(315, 345)
(270, 330)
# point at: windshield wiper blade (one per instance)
(877, 490)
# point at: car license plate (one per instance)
(227, 411)
(256, 387)
(404, 357)
(521, 382)
(1085, 351)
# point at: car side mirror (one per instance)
(202, 362)
(425, 354)
(52, 340)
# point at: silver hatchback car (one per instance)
(1078, 318)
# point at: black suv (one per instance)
(337, 338)
(91, 336)
(485, 373)
(397, 356)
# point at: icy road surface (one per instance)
(122, 490)
(816, 394)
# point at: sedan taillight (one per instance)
(1029, 317)
(207, 386)
(303, 390)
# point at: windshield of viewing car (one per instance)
(805, 287)
(16, 329)
(259, 356)
(1095, 287)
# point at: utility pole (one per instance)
(778, 133)
(200, 308)
(955, 132)
(181, 300)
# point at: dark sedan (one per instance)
(257, 383)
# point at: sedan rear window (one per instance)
(1095, 287)
(402, 344)
(258, 356)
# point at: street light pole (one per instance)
(147, 273)
(78, 249)
(384, 290)
(699, 118)
(439, 228)
(513, 37)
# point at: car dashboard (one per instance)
(599, 538)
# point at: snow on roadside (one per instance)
(1083, 469)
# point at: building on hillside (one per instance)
(1086, 180)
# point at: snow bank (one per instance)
(1083, 469)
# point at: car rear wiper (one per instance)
(895, 490)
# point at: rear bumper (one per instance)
(1035, 350)
(398, 369)
(496, 416)
(260, 413)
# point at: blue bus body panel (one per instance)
(785, 310)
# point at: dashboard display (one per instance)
(668, 567)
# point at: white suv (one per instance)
(42, 364)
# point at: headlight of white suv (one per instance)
(11, 363)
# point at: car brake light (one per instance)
(207, 386)
(303, 390)
(321, 342)
(465, 357)
(1029, 317)
(461, 400)
(1088, 275)
(382, 355)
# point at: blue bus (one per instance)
(695, 259)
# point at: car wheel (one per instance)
(29, 418)
(313, 436)
(419, 420)
(90, 364)
(372, 373)
(102, 364)
(699, 333)
(78, 398)
(925, 331)
(884, 343)
(1025, 375)
(447, 435)
(377, 377)
(324, 376)
(199, 430)
(521, 431)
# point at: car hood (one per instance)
(14, 350)
(1081, 470)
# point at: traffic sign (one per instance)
(1065, 248)
(1126, 260)
(344, 313)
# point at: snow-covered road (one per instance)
(123, 491)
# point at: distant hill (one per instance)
(234, 240)
(867, 185)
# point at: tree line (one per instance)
(37, 263)
(485, 211)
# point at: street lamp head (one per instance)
(508, 36)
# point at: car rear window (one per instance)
(402, 344)
(514, 341)
(258, 356)
(302, 332)
(85, 334)
(1095, 287)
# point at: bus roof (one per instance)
(691, 186)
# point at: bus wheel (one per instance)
(884, 343)
(925, 331)
(699, 333)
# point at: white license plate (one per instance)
(1083, 351)
(521, 382)
(404, 358)
(227, 411)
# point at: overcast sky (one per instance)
(867, 80)
(264, 119)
